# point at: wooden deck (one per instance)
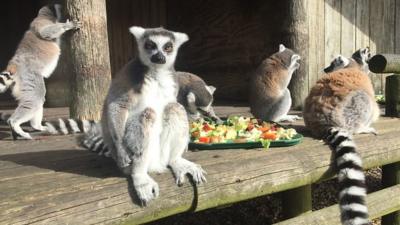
(53, 181)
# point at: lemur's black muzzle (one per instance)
(158, 58)
(329, 69)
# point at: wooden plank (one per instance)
(362, 23)
(297, 201)
(397, 29)
(316, 54)
(348, 32)
(379, 203)
(82, 189)
(332, 29)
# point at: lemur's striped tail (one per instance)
(352, 188)
(93, 141)
(68, 126)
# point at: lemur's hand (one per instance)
(74, 24)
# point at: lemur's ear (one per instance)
(281, 48)
(180, 38)
(137, 32)
(211, 89)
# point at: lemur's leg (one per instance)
(23, 113)
(174, 141)
(192, 112)
(142, 142)
(55, 31)
(36, 121)
(279, 110)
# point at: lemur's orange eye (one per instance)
(168, 47)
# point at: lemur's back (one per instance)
(326, 103)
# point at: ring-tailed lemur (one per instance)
(359, 59)
(341, 104)
(35, 59)
(142, 124)
(269, 94)
(196, 96)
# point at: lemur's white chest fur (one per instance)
(157, 92)
(50, 67)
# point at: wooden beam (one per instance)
(299, 42)
(391, 176)
(385, 63)
(392, 95)
(90, 58)
(379, 203)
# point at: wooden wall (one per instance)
(343, 26)
(228, 39)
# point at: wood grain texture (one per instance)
(390, 177)
(53, 181)
(379, 203)
(298, 36)
(348, 28)
(332, 29)
(316, 30)
(90, 58)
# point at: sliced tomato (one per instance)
(206, 127)
(269, 136)
(204, 139)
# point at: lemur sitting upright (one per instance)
(196, 96)
(269, 94)
(359, 59)
(143, 126)
(342, 103)
(35, 59)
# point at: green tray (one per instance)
(246, 145)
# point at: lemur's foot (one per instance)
(39, 128)
(18, 133)
(74, 24)
(181, 167)
(146, 188)
(367, 130)
(289, 118)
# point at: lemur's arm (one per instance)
(50, 31)
(117, 117)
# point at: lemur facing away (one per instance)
(341, 104)
(196, 96)
(359, 59)
(269, 94)
(143, 126)
(36, 58)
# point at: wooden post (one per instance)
(385, 63)
(392, 95)
(297, 201)
(90, 58)
(390, 177)
(298, 41)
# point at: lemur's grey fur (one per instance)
(269, 94)
(143, 126)
(35, 59)
(359, 59)
(196, 96)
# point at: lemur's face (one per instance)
(158, 47)
(53, 11)
(337, 63)
(365, 54)
(5, 81)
